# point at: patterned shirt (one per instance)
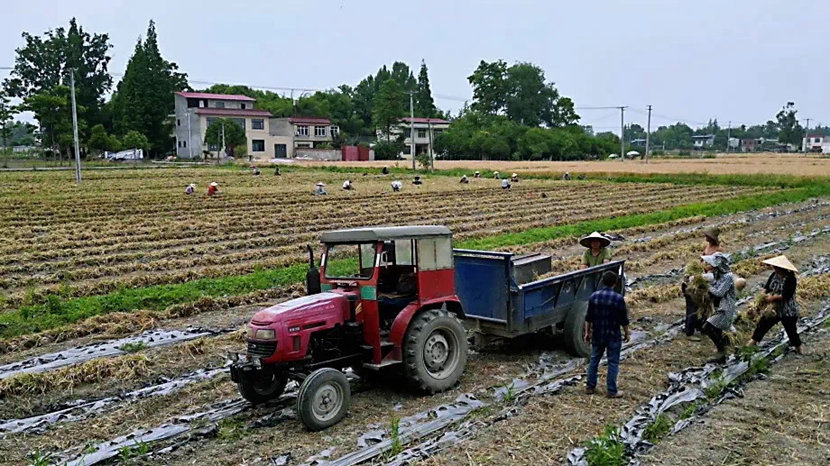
(723, 290)
(606, 313)
(783, 286)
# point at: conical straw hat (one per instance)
(586, 241)
(781, 262)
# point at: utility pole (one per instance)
(75, 128)
(224, 147)
(648, 132)
(431, 153)
(622, 133)
(412, 129)
(806, 132)
(728, 135)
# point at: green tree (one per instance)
(424, 104)
(51, 109)
(6, 113)
(100, 141)
(234, 134)
(135, 140)
(521, 93)
(790, 131)
(44, 62)
(388, 106)
(143, 100)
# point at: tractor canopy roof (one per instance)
(374, 234)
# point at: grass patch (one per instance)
(509, 394)
(230, 430)
(133, 347)
(690, 410)
(38, 458)
(395, 435)
(759, 366)
(724, 207)
(658, 429)
(606, 450)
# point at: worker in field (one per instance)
(780, 292)
(385, 170)
(514, 177)
(190, 189)
(724, 297)
(347, 185)
(256, 171)
(277, 171)
(566, 176)
(320, 190)
(711, 246)
(464, 180)
(213, 188)
(505, 184)
(597, 251)
(396, 186)
(477, 174)
(496, 175)
(417, 181)
(607, 313)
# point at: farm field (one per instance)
(722, 164)
(128, 253)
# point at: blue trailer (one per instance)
(501, 298)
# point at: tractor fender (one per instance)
(401, 323)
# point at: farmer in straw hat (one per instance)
(190, 189)
(722, 290)
(712, 246)
(213, 188)
(320, 190)
(780, 290)
(597, 252)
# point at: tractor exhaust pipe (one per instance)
(312, 277)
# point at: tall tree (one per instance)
(44, 63)
(489, 81)
(388, 106)
(51, 109)
(144, 98)
(6, 113)
(424, 105)
(789, 130)
(234, 134)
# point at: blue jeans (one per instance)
(612, 348)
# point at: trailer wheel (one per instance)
(574, 336)
(264, 386)
(323, 399)
(435, 350)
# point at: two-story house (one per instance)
(816, 143)
(426, 130)
(267, 137)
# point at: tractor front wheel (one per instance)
(435, 350)
(323, 399)
(262, 386)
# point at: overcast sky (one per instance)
(737, 60)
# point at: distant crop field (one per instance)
(731, 164)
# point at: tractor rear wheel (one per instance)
(323, 399)
(435, 350)
(266, 385)
(574, 336)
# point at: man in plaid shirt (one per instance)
(606, 314)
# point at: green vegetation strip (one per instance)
(58, 310)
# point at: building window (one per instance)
(335, 130)
(242, 106)
(257, 123)
(320, 131)
(816, 140)
(302, 130)
(257, 145)
(219, 104)
(178, 122)
(303, 145)
(422, 133)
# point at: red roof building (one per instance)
(309, 121)
(206, 95)
(432, 121)
(226, 112)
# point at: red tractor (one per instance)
(383, 297)
(395, 296)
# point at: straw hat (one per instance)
(713, 234)
(214, 184)
(320, 183)
(514, 175)
(586, 241)
(191, 185)
(781, 262)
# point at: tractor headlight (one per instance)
(264, 334)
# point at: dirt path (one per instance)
(783, 419)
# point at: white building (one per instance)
(816, 143)
(426, 130)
